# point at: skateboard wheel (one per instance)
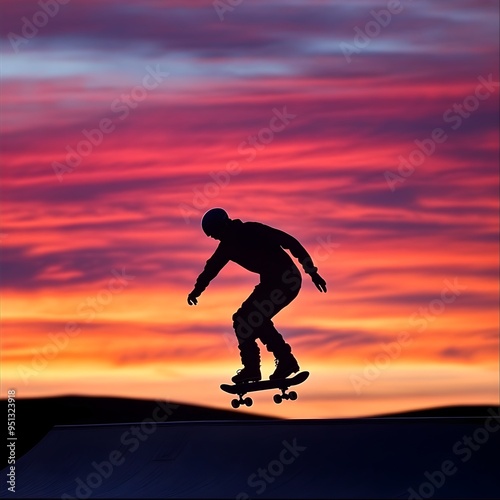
(235, 403)
(277, 399)
(248, 401)
(292, 395)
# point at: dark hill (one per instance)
(443, 412)
(36, 416)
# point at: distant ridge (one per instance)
(445, 411)
(36, 416)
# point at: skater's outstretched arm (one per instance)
(212, 268)
(288, 242)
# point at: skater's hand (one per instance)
(319, 282)
(192, 299)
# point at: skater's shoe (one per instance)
(247, 374)
(285, 367)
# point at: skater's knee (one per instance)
(237, 318)
(243, 330)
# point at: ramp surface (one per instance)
(265, 459)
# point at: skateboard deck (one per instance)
(263, 385)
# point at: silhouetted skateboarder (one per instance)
(258, 248)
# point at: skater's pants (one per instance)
(253, 320)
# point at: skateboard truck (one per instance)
(236, 403)
(278, 398)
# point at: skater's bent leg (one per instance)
(254, 318)
(273, 340)
(268, 334)
(246, 336)
(249, 350)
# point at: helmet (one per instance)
(213, 221)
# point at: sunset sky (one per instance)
(369, 134)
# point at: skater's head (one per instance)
(215, 222)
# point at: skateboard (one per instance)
(283, 384)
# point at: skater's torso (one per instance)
(253, 246)
(248, 245)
